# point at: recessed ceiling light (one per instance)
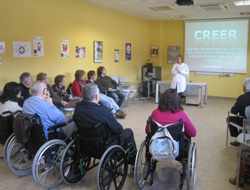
(242, 3)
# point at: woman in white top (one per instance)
(9, 98)
(180, 71)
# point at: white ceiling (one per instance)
(141, 8)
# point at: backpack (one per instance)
(22, 126)
(162, 146)
(6, 125)
(6, 129)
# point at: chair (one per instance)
(122, 88)
(131, 86)
(28, 151)
(145, 164)
(92, 142)
(244, 139)
(6, 127)
(232, 124)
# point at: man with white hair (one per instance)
(88, 113)
(26, 81)
(239, 108)
(42, 104)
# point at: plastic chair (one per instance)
(239, 127)
(131, 86)
(122, 87)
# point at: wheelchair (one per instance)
(145, 164)
(92, 143)
(6, 128)
(36, 154)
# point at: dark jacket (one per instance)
(241, 103)
(88, 114)
(104, 83)
(25, 94)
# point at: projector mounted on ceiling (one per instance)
(184, 2)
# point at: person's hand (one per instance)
(109, 89)
(49, 99)
(70, 97)
(117, 88)
(64, 103)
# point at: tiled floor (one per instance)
(215, 163)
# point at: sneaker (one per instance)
(235, 143)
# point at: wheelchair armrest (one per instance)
(56, 126)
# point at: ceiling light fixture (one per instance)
(242, 3)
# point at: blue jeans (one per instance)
(118, 96)
(109, 103)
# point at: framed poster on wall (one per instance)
(98, 51)
(173, 52)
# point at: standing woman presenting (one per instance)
(180, 71)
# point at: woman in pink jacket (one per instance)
(170, 111)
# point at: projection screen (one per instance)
(216, 46)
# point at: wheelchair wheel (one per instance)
(46, 164)
(141, 166)
(112, 169)
(191, 167)
(6, 145)
(18, 157)
(72, 166)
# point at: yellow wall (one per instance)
(77, 21)
(81, 23)
(171, 33)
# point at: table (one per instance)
(199, 84)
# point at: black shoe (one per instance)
(235, 143)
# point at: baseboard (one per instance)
(220, 97)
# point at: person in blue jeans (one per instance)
(106, 101)
(105, 83)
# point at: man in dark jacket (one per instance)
(89, 113)
(105, 83)
(26, 81)
(239, 108)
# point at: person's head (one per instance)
(39, 89)
(101, 71)
(11, 91)
(170, 101)
(60, 80)
(90, 93)
(79, 75)
(91, 75)
(43, 77)
(26, 79)
(246, 85)
(179, 59)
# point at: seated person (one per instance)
(239, 108)
(170, 111)
(88, 113)
(50, 92)
(105, 100)
(78, 83)
(42, 104)
(59, 88)
(9, 98)
(105, 83)
(26, 81)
